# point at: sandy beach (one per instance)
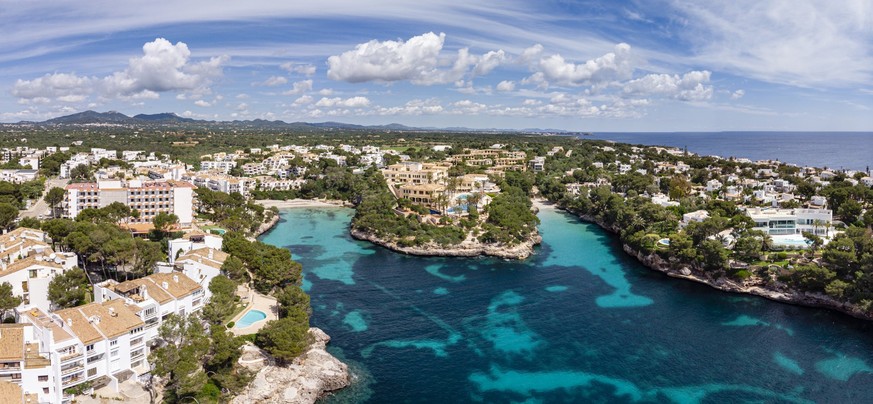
(298, 203)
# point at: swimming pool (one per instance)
(251, 317)
(791, 240)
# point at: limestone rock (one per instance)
(307, 378)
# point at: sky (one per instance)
(607, 65)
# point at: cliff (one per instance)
(467, 248)
(309, 377)
(776, 292)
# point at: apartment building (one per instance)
(201, 265)
(423, 194)
(28, 263)
(415, 173)
(148, 197)
(223, 166)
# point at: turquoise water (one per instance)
(578, 322)
(251, 317)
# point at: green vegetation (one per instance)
(8, 301)
(69, 289)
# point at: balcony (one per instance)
(72, 369)
(70, 356)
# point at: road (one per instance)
(40, 207)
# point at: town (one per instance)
(108, 258)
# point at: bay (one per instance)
(580, 321)
(835, 150)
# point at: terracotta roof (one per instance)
(96, 321)
(178, 285)
(154, 291)
(23, 232)
(27, 263)
(201, 255)
(11, 342)
(22, 245)
(82, 186)
(11, 392)
(41, 319)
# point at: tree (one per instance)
(69, 289)
(8, 214)
(81, 172)
(713, 255)
(8, 301)
(53, 198)
(222, 302)
(748, 248)
(178, 359)
(29, 222)
(292, 298)
(285, 338)
(235, 269)
(164, 222)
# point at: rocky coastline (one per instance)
(781, 294)
(309, 377)
(467, 248)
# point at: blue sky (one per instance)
(659, 65)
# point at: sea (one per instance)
(835, 150)
(578, 322)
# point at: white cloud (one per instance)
(163, 67)
(738, 94)
(353, 102)
(506, 85)
(418, 60)
(325, 92)
(489, 62)
(691, 86)
(413, 107)
(303, 100)
(796, 42)
(242, 107)
(202, 103)
(273, 81)
(299, 68)
(612, 66)
(299, 87)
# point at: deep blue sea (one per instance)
(836, 150)
(579, 322)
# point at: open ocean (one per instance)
(835, 150)
(579, 322)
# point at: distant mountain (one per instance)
(171, 119)
(163, 117)
(90, 117)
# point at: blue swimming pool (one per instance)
(251, 317)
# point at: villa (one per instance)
(791, 221)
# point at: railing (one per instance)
(69, 356)
(72, 369)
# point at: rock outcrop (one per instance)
(777, 293)
(467, 248)
(310, 376)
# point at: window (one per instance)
(114, 353)
(136, 330)
(92, 372)
(113, 342)
(43, 378)
(45, 390)
(89, 348)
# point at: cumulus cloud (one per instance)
(691, 86)
(299, 87)
(612, 66)
(353, 102)
(202, 103)
(303, 100)
(418, 60)
(738, 94)
(506, 85)
(163, 67)
(413, 107)
(273, 81)
(299, 68)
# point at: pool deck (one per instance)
(255, 301)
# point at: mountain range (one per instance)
(171, 119)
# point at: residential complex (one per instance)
(148, 197)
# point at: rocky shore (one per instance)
(309, 377)
(467, 248)
(780, 294)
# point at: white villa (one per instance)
(791, 221)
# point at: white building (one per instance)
(201, 265)
(696, 216)
(193, 241)
(28, 263)
(148, 197)
(791, 221)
